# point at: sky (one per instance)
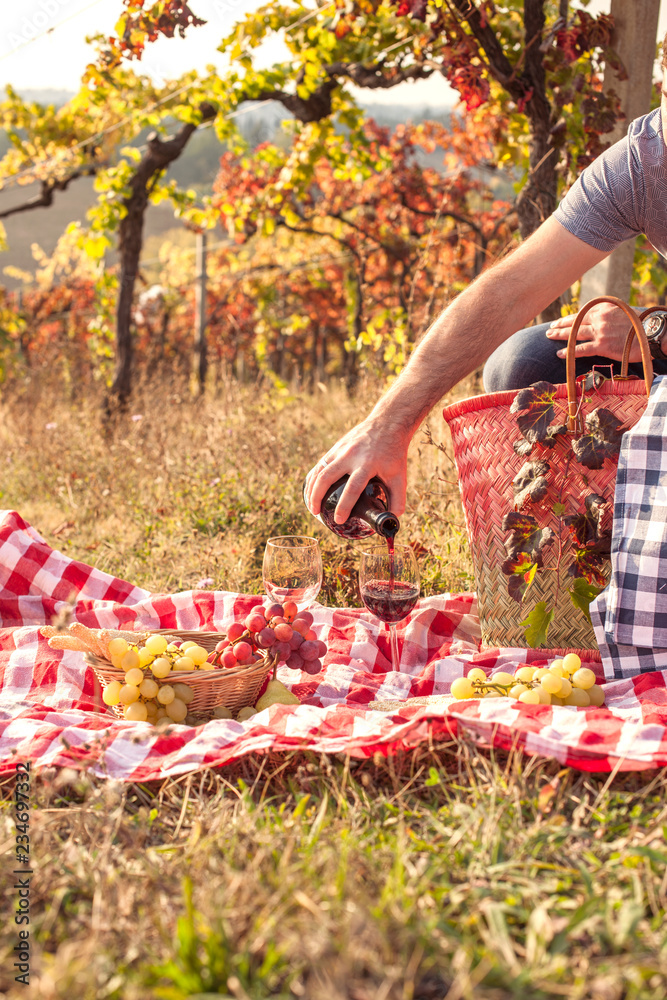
(42, 46)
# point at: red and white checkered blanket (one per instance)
(48, 709)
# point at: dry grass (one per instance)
(444, 873)
(192, 489)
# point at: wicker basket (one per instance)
(233, 689)
(483, 432)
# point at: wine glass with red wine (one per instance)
(389, 586)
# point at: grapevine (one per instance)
(564, 682)
(589, 529)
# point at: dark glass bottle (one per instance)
(370, 513)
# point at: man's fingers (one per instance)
(319, 479)
(322, 476)
(354, 487)
(559, 332)
(397, 487)
(582, 349)
(603, 333)
(586, 332)
(565, 322)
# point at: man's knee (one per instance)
(526, 357)
(507, 370)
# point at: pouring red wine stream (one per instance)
(390, 600)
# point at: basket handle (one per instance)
(636, 330)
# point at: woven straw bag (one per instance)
(234, 688)
(483, 432)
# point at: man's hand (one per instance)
(602, 332)
(499, 302)
(370, 449)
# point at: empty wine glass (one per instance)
(292, 569)
(389, 586)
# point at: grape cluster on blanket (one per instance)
(49, 707)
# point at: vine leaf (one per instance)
(596, 505)
(530, 482)
(582, 593)
(553, 433)
(591, 562)
(585, 527)
(526, 537)
(523, 447)
(537, 400)
(601, 440)
(521, 571)
(517, 586)
(537, 625)
(591, 545)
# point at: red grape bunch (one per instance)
(280, 630)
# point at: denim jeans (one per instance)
(530, 356)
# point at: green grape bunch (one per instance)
(564, 682)
(146, 696)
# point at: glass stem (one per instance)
(395, 655)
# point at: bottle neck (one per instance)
(370, 508)
(384, 522)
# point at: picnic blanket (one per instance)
(50, 711)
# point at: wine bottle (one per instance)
(370, 513)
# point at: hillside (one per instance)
(196, 168)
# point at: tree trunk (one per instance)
(131, 231)
(322, 356)
(201, 351)
(526, 85)
(538, 198)
(314, 356)
(350, 370)
(635, 32)
(159, 154)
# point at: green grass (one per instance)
(445, 872)
(448, 872)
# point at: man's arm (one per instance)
(502, 300)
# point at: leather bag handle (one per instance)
(636, 330)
